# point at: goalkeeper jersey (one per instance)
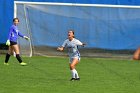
(72, 47)
(14, 33)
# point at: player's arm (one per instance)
(60, 48)
(21, 35)
(83, 44)
(79, 43)
(63, 46)
(9, 35)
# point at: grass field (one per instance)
(51, 75)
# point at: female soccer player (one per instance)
(72, 44)
(12, 42)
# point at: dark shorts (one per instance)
(12, 43)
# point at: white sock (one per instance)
(76, 73)
(73, 73)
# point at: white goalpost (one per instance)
(74, 4)
(25, 46)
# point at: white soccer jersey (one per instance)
(72, 47)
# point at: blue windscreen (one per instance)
(98, 27)
(6, 17)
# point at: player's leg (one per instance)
(74, 72)
(16, 50)
(136, 55)
(10, 52)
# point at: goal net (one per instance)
(108, 30)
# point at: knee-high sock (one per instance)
(18, 58)
(73, 73)
(76, 73)
(7, 58)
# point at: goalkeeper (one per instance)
(12, 42)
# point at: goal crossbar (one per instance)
(77, 4)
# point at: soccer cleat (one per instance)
(23, 64)
(78, 79)
(72, 79)
(6, 63)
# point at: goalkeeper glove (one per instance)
(8, 42)
(27, 38)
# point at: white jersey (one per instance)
(72, 47)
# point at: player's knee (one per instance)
(136, 58)
(71, 66)
(17, 52)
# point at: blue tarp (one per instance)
(104, 30)
(6, 16)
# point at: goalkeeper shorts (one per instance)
(12, 43)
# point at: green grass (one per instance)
(51, 75)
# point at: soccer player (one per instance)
(136, 55)
(74, 56)
(12, 42)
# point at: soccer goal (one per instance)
(108, 30)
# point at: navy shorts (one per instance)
(12, 43)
